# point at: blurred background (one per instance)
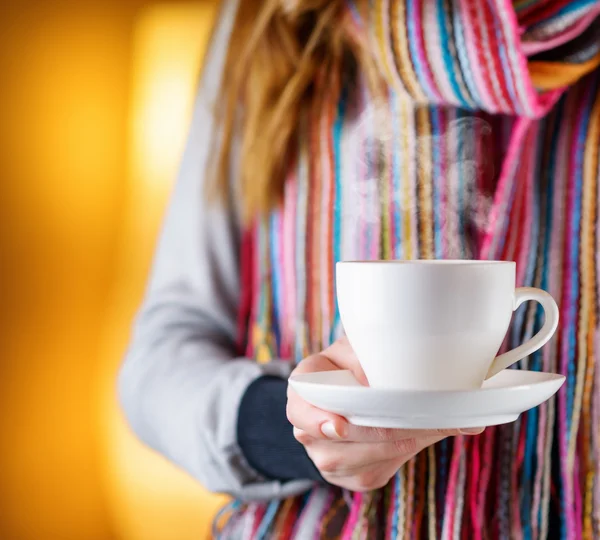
(95, 101)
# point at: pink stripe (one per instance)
(539, 105)
(280, 284)
(475, 64)
(578, 498)
(515, 484)
(596, 422)
(246, 291)
(433, 49)
(249, 521)
(309, 518)
(526, 228)
(452, 484)
(474, 488)
(256, 247)
(596, 396)
(541, 440)
(417, 5)
(489, 437)
(527, 96)
(289, 264)
(497, 212)
(391, 510)
(490, 53)
(352, 520)
(513, 217)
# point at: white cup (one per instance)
(434, 325)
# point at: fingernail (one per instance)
(328, 429)
(472, 431)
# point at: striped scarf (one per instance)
(485, 145)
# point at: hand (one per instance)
(353, 457)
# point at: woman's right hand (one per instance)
(353, 457)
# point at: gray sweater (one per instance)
(181, 383)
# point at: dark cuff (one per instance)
(265, 434)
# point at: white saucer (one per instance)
(500, 400)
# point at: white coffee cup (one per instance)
(434, 325)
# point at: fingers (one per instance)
(341, 459)
(369, 474)
(308, 418)
(374, 435)
(314, 363)
(342, 354)
(339, 355)
(315, 422)
(367, 479)
(321, 424)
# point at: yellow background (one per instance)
(95, 100)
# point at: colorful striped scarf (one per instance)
(486, 145)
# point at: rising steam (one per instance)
(461, 205)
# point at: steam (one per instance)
(454, 164)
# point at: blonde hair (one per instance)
(278, 51)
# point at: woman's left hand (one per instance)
(353, 457)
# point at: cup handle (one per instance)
(551, 313)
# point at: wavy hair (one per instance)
(282, 55)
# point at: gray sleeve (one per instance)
(181, 384)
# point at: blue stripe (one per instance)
(275, 275)
(546, 254)
(412, 43)
(396, 503)
(530, 268)
(573, 6)
(444, 452)
(338, 200)
(503, 58)
(461, 207)
(531, 418)
(233, 507)
(447, 56)
(397, 180)
(566, 10)
(463, 57)
(262, 242)
(267, 520)
(576, 227)
(511, 198)
(551, 174)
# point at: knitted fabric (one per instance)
(486, 146)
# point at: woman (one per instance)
(363, 130)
